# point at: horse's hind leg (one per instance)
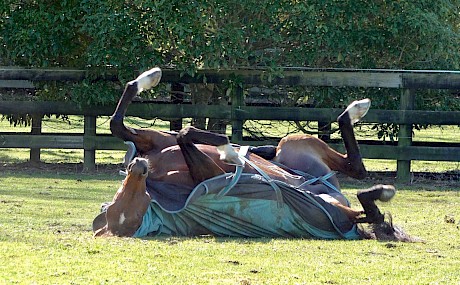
(291, 148)
(200, 165)
(367, 199)
(352, 165)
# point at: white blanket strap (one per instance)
(238, 171)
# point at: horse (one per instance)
(182, 161)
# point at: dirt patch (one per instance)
(427, 179)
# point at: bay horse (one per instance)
(191, 156)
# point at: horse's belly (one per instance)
(305, 162)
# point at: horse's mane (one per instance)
(386, 231)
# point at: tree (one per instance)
(136, 35)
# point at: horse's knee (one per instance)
(119, 130)
(116, 126)
(182, 135)
(195, 135)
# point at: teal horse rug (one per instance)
(245, 207)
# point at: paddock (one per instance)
(47, 209)
(46, 237)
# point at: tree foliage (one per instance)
(218, 34)
(136, 35)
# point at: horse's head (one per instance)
(124, 215)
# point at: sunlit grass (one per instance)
(46, 238)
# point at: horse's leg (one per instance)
(297, 151)
(353, 215)
(144, 140)
(352, 165)
(367, 199)
(200, 165)
(226, 151)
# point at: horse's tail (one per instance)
(266, 151)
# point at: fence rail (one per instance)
(407, 81)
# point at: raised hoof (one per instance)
(388, 192)
(379, 192)
(229, 155)
(357, 109)
(148, 79)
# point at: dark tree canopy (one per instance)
(320, 33)
(136, 35)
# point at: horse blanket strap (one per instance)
(236, 176)
(279, 195)
(323, 179)
(129, 156)
(239, 169)
(312, 179)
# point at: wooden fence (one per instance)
(405, 150)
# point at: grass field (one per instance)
(45, 235)
(46, 238)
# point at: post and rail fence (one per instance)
(407, 82)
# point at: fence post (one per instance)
(89, 161)
(237, 124)
(177, 97)
(36, 129)
(324, 131)
(403, 173)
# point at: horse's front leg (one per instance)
(201, 166)
(144, 81)
(144, 140)
(224, 148)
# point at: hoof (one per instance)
(379, 192)
(388, 192)
(148, 79)
(357, 109)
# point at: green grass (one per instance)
(45, 238)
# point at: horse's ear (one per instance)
(100, 224)
(99, 221)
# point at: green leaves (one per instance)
(137, 35)
(220, 34)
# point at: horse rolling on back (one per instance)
(192, 156)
